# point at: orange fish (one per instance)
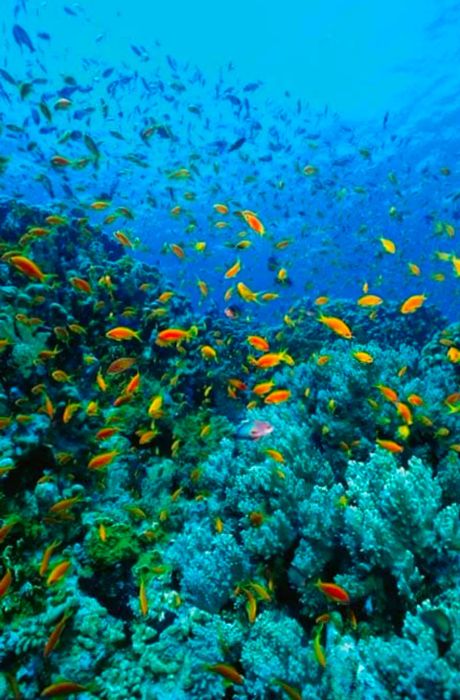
(208, 352)
(337, 325)
(100, 205)
(60, 161)
(415, 400)
(62, 688)
(64, 504)
(102, 532)
(5, 530)
(58, 572)
(203, 287)
(144, 605)
(246, 293)
(221, 208)
(177, 250)
(55, 635)
(238, 384)
(80, 284)
(175, 335)
(155, 408)
(47, 556)
(272, 359)
(333, 592)
(227, 671)
(69, 411)
(102, 460)
(253, 221)
(404, 411)
(387, 392)
(370, 300)
(133, 384)
(121, 365)
(414, 269)
(275, 455)
(5, 583)
(388, 245)
(391, 446)
(122, 333)
(123, 239)
(28, 267)
(258, 343)
(263, 388)
(233, 270)
(277, 396)
(453, 354)
(364, 357)
(412, 303)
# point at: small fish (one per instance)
(333, 591)
(258, 343)
(318, 649)
(123, 239)
(253, 221)
(272, 359)
(5, 583)
(121, 365)
(5, 529)
(121, 333)
(55, 635)
(64, 504)
(133, 384)
(155, 408)
(81, 284)
(28, 267)
(263, 388)
(337, 325)
(390, 446)
(106, 433)
(22, 38)
(388, 245)
(275, 455)
(291, 692)
(370, 300)
(236, 145)
(227, 671)
(253, 430)
(386, 391)
(412, 303)
(208, 352)
(175, 335)
(102, 460)
(233, 270)
(47, 556)
(58, 572)
(363, 357)
(277, 396)
(62, 688)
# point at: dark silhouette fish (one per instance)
(4, 94)
(6, 76)
(235, 146)
(22, 38)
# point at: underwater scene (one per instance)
(230, 350)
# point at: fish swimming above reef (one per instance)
(253, 430)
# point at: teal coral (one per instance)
(227, 536)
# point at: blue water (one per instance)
(312, 85)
